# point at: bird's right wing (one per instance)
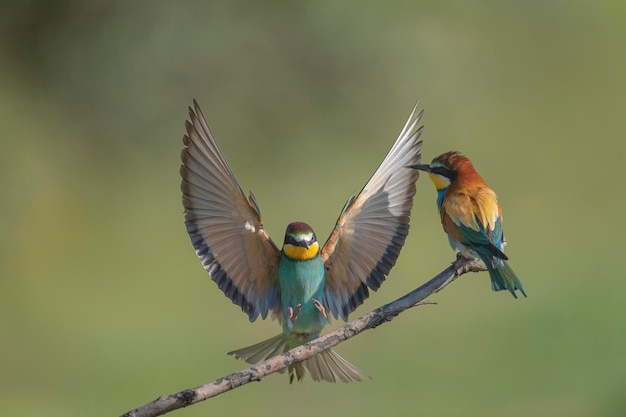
(372, 227)
(225, 228)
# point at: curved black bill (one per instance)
(421, 167)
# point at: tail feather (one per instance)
(326, 366)
(503, 277)
(262, 350)
(330, 366)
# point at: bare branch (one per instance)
(165, 404)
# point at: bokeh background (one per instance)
(103, 303)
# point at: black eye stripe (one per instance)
(443, 171)
(289, 239)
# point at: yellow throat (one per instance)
(441, 182)
(300, 253)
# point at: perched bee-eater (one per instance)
(471, 216)
(302, 284)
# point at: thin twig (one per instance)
(386, 313)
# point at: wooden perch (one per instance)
(386, 313)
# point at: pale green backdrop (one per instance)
(103, 303)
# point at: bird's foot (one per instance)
(320, 307)
(292, 314)
(459, 265)
(465, 253)
(462, 265)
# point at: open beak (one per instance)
(421, 167)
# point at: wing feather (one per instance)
(372, 227)
(475, 221)
(226, 228)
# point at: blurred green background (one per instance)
(103, 303)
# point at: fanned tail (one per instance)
(503, 277)
(326, 366)
(330, 366)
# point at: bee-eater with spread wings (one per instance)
(471, 216)
(303, 283)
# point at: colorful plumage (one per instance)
(302, 284)
(471, 216)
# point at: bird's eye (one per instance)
(444, 172)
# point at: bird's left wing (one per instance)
(475, 219)
(225, 228)
(371, 229)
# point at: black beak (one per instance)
(421, 167)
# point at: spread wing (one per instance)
(225, 228)
(371, 229)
